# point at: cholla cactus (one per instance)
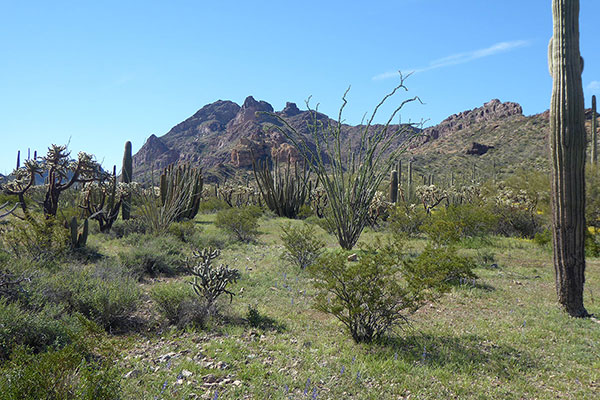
(379, 208)
(238, 195)
(210, 282)
(101, 201)
(431, 196)
(61, 173)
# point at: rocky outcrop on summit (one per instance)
(491, 110)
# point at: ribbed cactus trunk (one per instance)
(567, 152)
(394, 187)
(126, 176)
(594, 129)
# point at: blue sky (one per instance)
(100, 73)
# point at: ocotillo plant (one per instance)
(126, 177)
(284, 188)
(351, 178)
(567, 155)
(181, 186)
(394, 187)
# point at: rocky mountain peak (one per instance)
(290, 109)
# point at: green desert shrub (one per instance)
(212, 205)
(366, 296)
(543, 238)
(302, 245)
(407, 218)
(37, 239)
(455, 222)
(36, 330)
(104, 293)
(377, 292)
(68, 373)
(186, 231)
(151, 255)
(179, 305)
(437, 268)
(122, 228)
(241, 223)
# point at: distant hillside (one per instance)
(223, 135)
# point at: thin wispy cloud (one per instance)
(460, 58)
(594, 86)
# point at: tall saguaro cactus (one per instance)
(126, 175)
(567, 153)
(394, 186)
(594, 128)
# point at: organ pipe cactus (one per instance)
(284, 188)
(567, 155)
(182, 186)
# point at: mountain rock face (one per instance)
(224, 133)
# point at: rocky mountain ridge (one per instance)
(224, 134)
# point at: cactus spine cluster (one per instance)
(181, 187)
(567, 154)
(126, 177)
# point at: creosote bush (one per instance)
(366, 296)
(241, 223)
(302, 245)
(379, 291)
(407, 218)
(450, 224)
(437, 268)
